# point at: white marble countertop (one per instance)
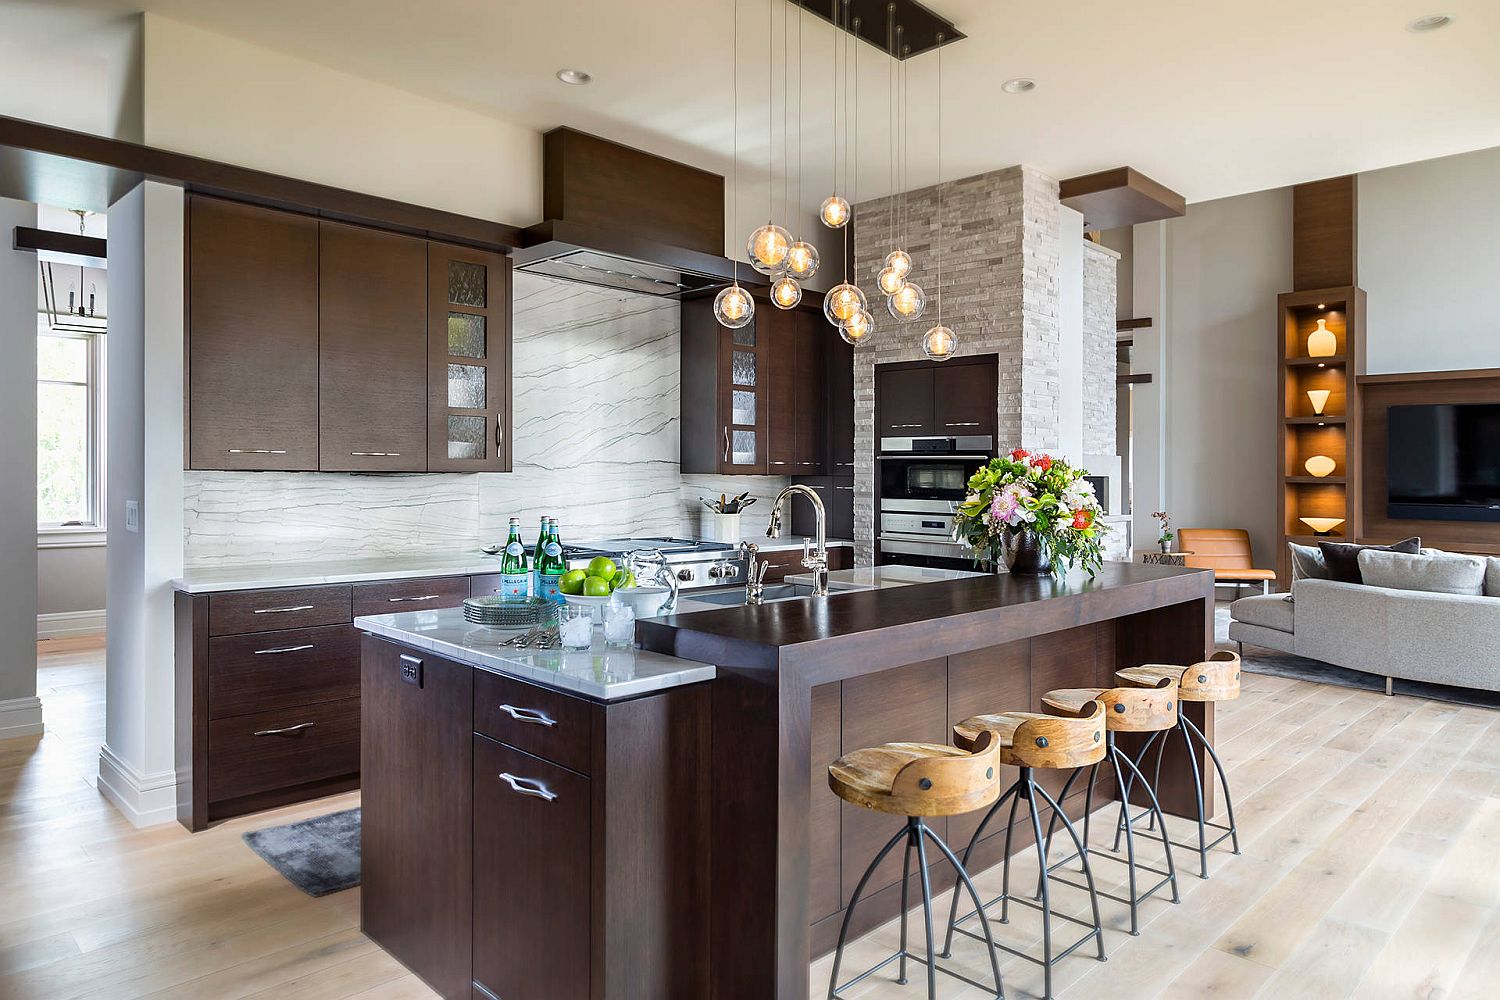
(305, 574)
(881, 577)
(600, 672)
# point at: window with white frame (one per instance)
(70, 426)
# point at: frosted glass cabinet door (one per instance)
(469, 360)
(743, 364)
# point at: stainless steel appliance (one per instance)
(920, 480)
(698, 564)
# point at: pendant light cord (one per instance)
(890, 113)
(734, 117)
(939, 288)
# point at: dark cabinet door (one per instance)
(782, 414)
(372, 309)
(904, 399)
(810, 388)
(252, 345)
(469, 360)
(531, 876)
(964, 400)
(415, 903)
(840, 406)
(744, 373)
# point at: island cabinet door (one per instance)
(531, 877)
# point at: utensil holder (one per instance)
(723, 527)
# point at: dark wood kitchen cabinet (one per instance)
(904, 399)
(252, 349)
(372, 354)
(724, 397)
(797, 396)
(840, 407)
(957, 398)
(965, 399)
(469, 360)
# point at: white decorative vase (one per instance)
(723, 528)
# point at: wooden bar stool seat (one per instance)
(1154, 709)
(917, 780)
(1029, 740)
(1212, 680)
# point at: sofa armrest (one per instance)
(1342, 623)
(1444, 638)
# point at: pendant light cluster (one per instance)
(939, 343)
(733, 306)
(845, 305)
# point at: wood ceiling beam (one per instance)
(1120, 197)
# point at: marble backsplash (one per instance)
(596, 383)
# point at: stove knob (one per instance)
(724, 571)
(685, 575)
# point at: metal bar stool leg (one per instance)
(1088, 805)
(926, 909)
(1166, 842)
(905, 878)
(1114, 759)
(1010, 825)
(1041, 852)
(1126, 795)
(1161, 751)
(1234, 830)
(1052, 825)
(859, 888)
(968, 853)
(1187, 740)
(963, 875)
(1088, 870)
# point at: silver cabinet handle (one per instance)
(528, 715)
(281, 611)
(257, 451)
(906, 425)
(499, 432)
(963, 423)
(849, 488)
(283, 649)
(726, 444)
(527, 786)
(376, 454)
(288, 730)
(784, 463)
(424, 597)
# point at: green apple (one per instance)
(595, 586)
(571, 582)
(602, 566)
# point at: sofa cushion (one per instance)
(1492, 577)
(1271, 611)
(1437, 573)
(1342, 558)
(1307, 562)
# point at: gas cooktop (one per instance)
(669, 546)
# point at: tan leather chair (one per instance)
(1226, 551)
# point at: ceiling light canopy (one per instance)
(1429, 22)
(1020, 85)
(573, 77)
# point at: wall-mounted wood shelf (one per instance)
(1316, 421)
(1315, 480)
(1336, 361)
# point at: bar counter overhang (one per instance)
(978, 633)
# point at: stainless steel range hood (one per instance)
(596, 255)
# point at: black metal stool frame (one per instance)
(1117, 758)
(914, 833)
(1026, 784)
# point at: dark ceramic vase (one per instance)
(1025, 555)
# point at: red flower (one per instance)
(1019, 454)
(1044, 462)
(1082, 519)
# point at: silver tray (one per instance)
(509, 612)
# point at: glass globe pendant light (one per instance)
(890, 280)
(785, 292)
(909, 301)
(733, 307)
(802, 260)
(939, 343)
(859, 327)
(898, 261)
(834, 212)
(842, 302)
(768, 249)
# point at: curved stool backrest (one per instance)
(1060, 742)
(1214, 679)
(1141, 710)
(949, 786)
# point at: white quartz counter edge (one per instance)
(649, 671)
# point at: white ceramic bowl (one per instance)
(647, 601)
(595, 603)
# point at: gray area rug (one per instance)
(318, 855)
(1259, 660)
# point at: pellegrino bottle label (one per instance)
(515, 575)
(550, 564)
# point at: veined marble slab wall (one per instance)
(596, 415)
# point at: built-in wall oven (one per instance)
(920, 481)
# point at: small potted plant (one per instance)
(1034, 514)
(1167, 534)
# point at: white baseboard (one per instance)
(20, 717)
(65, 624)
(145, 800)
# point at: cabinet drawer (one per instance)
(268, 610)
(264, 671)
(531, 876)
(271, 750)
(487, 585)
(779, 564)
(409, 595)
(546, 723)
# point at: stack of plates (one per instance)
(509, 612)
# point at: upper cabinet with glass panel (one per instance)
(468, 360)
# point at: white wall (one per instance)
(1429, 255)
(89, 60)
(1070, 335)
(1205, 444)
(145, 359)
(20, 712)
(69, 578)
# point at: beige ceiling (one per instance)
(1212, 98)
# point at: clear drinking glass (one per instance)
(619, 626)
(575, 626)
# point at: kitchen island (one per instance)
(559, 837)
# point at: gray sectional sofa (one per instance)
(1392, 631)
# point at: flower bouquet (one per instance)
(1033, 513)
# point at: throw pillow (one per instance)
(1342, 558)
(1492, 577)
(1433, 574)
(1307, 562)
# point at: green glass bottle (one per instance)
(536, 559)
(515, 571)
(551, 565)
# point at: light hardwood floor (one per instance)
(1371, 869)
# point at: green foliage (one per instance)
(1025, 492)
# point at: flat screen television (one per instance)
(1443, 462)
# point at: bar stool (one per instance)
(1030, 741)
(918, 781)
(1212, 680)
(1129, 710)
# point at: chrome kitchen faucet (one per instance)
(815, 561)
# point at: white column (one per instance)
(20, 711)
(1149, 458)
(1070, 335)
(137, 769)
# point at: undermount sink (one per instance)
(773, 592)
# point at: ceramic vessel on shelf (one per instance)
(1320, 466)
(1319, 399)
(1321, 343)
(1322, 525)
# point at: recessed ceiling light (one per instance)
(573, 77)
(1020, 85)
(1430, 22)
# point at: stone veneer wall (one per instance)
(596, 418)
(1099, 390)
(1000, 295)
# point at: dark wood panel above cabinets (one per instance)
(252, 350)
(957, 398)
(372, 350)
(904, 399)
(320, 345)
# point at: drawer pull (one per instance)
(527, 786)
(287, 731)
(376, 454)
(281, 611)
(963, 423)
(257, 451)
(424, 597)
(849, 488)
(906, 425)
(283, 649)
(528, 715)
